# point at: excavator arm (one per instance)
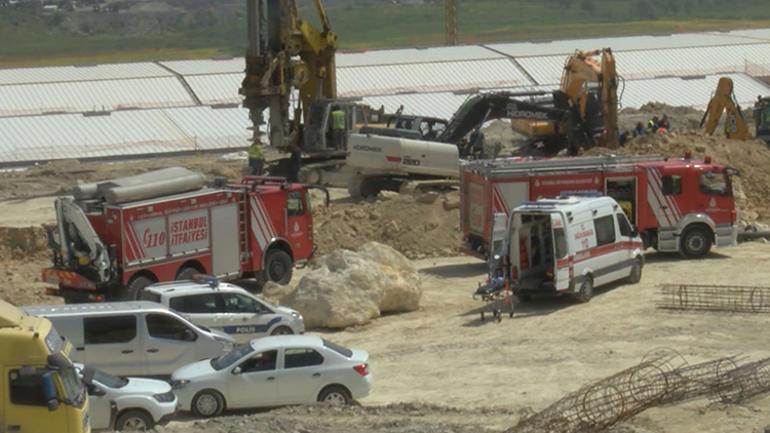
(480, 108)
(724, 100)
(581, 70)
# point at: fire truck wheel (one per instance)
(696, 243)
(636, 272)
(278, 267)
(586, 291)
(135, 288)
(186, 274)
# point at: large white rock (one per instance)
(349, 288)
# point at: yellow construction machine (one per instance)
(289, 63)
(724, 101)
(589, 91)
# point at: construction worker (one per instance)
(338, 128)
(295, 164)
(256, 158)
(652, 125)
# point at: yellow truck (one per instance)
(39, 388)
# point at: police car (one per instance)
(226, 307)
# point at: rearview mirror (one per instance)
(237, 371)
(49, 392)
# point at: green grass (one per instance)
(31, 39)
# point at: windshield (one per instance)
(230, 358)
(715, 183)
(74, 391)
(109, 380)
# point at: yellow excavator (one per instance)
(288, 58)
(724, 101)
(589, 91)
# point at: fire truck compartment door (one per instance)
(499, 229)
(224, 240)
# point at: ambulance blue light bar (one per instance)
(590, 193)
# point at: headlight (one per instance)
(166, 397)
(179, 384)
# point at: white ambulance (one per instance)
(570, 245)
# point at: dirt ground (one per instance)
(441, 369)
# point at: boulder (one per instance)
(348, 288)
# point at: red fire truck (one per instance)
(117, 237)
(677, 204)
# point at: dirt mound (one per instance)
(752, 158)
(23, 242)
(416, 226)
(348, 288)
(396, 418)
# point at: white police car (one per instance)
(226, 307)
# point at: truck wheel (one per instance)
(208, 403)
(134, 420)
(586, 291)
(695, 243)
(278, 267)
(135, 288)
(636, 272)
(186, 274)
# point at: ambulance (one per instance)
(570, 245)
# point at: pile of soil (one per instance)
(419, 226)
(395, 418)
(751, 157)
(23, 253)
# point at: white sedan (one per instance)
(274, 371)
(127, 404)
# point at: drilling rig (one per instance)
(291, 74)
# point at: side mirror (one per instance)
(634, 232)
(97, 392)
(237, 371)
(49, 392)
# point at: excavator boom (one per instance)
(724, 100)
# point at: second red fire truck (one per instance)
(115, 238)
(677, 204)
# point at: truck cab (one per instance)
(40, 389)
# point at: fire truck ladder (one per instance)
(503, 167)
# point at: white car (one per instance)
(127, 404)
(226, 307)
(274, 371)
